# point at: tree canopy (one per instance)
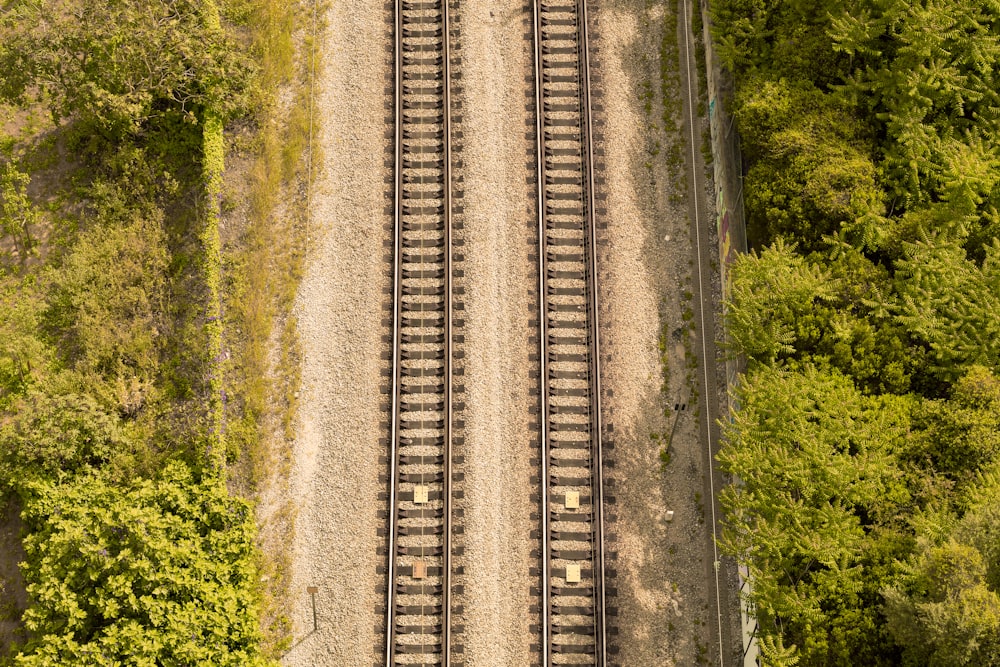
(864, 449)
(118, 65)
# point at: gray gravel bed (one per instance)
(664, 598)
(336, 452)
(495, 58)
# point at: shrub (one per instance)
(49, 434)
(159, 572)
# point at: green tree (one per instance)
(980, 527)
(949, 305)
(810, 171)
(812, 512)
(778, 303)
(156, 573)
(119, 65)
(862, 340)
(787, 37)
(871, 140)
(970, 172)
(17, 214)
(960, 437)
(23, 352)
(775, 654)
(929, 72)
(946, 615)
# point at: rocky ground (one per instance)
(335, 476)
(662, 529)
(495, 57)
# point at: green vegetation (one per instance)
(865, 444)
(261, 268)
(113, 280)
(162, 573)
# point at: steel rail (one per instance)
(600, 614)
(397, 280)
(396, 421)
(591, 325)
(446, 630)
(543, 370)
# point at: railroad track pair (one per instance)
(425, 432)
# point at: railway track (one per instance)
(420, 627)
(421, 609)
(573, 587)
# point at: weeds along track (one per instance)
(424, 427)
(573, 590)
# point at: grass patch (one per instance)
(663, 352)
(213, 165)
(263, 267)
(670, 84)
(706, 146)
(265, 264)
(698, 28)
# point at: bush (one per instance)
(53, 434)
(156, 573)
(108, 302)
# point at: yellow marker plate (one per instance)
(572, 500)
(420, 494)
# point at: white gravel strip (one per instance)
(498, 276)
(336, 452)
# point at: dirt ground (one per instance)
(13, 598)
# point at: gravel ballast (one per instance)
(336, 452)
(497, 312)
(663, 595)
